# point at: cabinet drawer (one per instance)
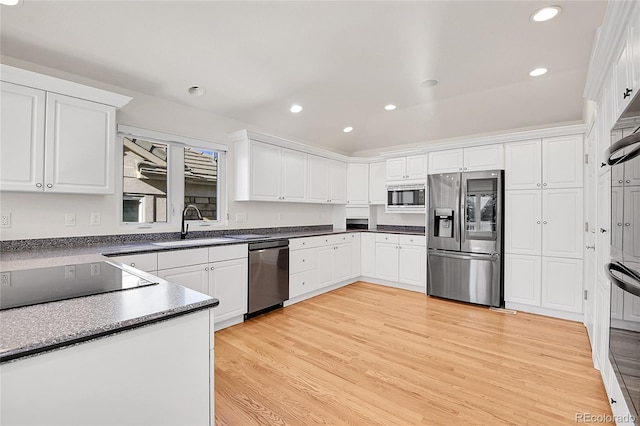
(147, 262)
(302, 260)
(302, 282)
(304, 243)
(412, 240)
(177, 258)
(236, 251)
(387, 238)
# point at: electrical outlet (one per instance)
(95, 269)
(70, 219)
(5, 220)
(70, 271)
(95, 219)
(5, 279)
(241, 217)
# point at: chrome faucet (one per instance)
(184, 231)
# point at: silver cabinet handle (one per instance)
(544, 184)
(544, 222)
(38, 185)
(304, 260)
(627, 181)
(593, 247)
(303, 243)
(538, 222)
(627, 224)
(303, 282)
(206, 269)
(133, 264)
(538, 184)
(619, 224)
(620, 181)
(49, 185)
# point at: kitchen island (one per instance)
(136, 356)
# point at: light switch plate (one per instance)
(95, 219)
(5, 220)
(70, 219)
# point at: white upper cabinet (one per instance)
(412, 167)
(357, 183)
(477, 158)
(634, 49)
(377, 183)
(562, 162)
(523, 164)
(337, 182)
(327, 181)
(547, 163)
(57, 136)
(269, 172)
(22, 138)
(623, 91)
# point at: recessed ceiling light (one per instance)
(390, 107)
(546, 13)
(538, 72)
(295, 108)
(428, 83)
(347, 129)
(9, 2)
(193, 90)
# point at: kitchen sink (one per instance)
(194, 242)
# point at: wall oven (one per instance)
(624, 269)
(405, 199)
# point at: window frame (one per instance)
(175, 180)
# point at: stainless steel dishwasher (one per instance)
(268, 276)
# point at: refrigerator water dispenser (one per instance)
(443, 220)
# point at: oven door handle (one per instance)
(632, 139)
(633, 288)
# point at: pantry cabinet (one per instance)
(412, 167)
(56, 136)
(477, 158)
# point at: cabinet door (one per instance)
(21, 138)
(522, 279)
(523, 165)
(630, 170)
(396, 168)
(617, 221)
(325, 266)
(562, 161)
(603, 239)
(79, 146)
(265, 171)
(318, 179)
(631, 307)
(377, 183)
(228, 283)
(562, 284)
(522, 226)
(623, 89)
(617, 173)
(294, 175)
(195, 277)
(355, 254)
(416, 166)
(489, 157)
(337, 182)
(368, 254)
(634, 49)
(358, 183)
(445, 161)
(412, 265)
(631, 224)
(562, 223)
(387, 261)
(342, 262)
(617, 302)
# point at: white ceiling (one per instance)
(341, 60)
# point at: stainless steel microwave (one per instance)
(405, 199)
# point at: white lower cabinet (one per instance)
(220, 272)
(147, 262)
(401, 258)
(546, 282)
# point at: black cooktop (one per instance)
(52, 284)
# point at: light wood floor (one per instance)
(372, 355)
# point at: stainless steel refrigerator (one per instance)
(464, 259)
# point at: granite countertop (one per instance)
(32, 330)
(36, 329)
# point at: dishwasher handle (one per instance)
(268, 244)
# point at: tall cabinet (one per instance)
(544, 225)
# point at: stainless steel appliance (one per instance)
(464, 258)
(405, 199)
(268, 276)
(54, 283)
(624, 270)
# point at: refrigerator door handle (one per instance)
(466, 256)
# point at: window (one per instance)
(161, 174)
